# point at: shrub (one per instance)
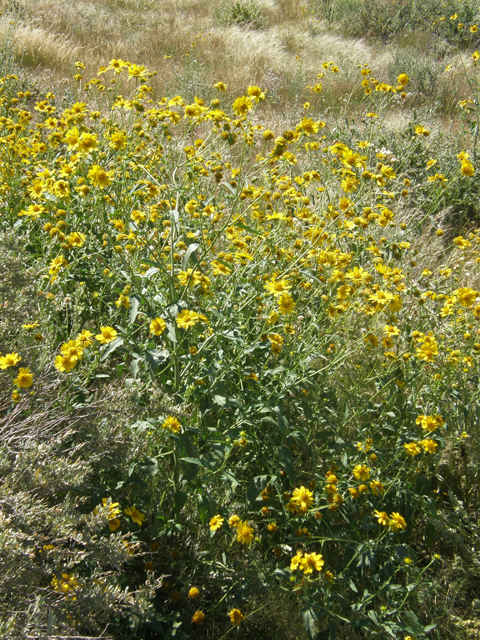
(244, 13)
(246, 394)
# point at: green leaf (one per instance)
(193, 461)
(111, 348)
(310, 622)
(245, 227)
(180, 499)
(232, 481)
(147, 468)
(134, 367)
(257, 485)
(152, 263)
(152, 271)
(134, 305)
(190, 252)
(287, 460)
(430, 534)
(156, 357)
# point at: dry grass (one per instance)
(190, 48)
(184, 41)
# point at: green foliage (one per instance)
(382, 20)
(244, 13)
(242, 374)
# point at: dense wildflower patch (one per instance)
(301, 365)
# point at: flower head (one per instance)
(198, 617)
(9, 360)
(157, 326)
(193, 593)
(311, 562)
(397, 522)
(216, 522)
(106, 335)
(186, 319)
(236, 616)
(136, 516)
(382, 517)
(172, 424)
(244, 533)
(24, 379)
(302, 498)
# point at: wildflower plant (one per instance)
(296, 374)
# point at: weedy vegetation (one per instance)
(240, 304)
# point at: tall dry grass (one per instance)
(190, 47)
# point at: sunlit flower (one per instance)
(24, 379)
(302, 498)
(216, 522)
(172, 424)
(397, 522)
(106, 335)
(9, 360)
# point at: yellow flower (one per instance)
(75, 239)
(193, 593)
(421, 131)
(403, 79)
(66, 583)
(244, 532)
(467, 168)
(242, 105)
(236, 616)
(106, 335)
(172, 424)
(361, 472)
(157, 326)
(376, 486)
(186, 319)
(412, 448)
(303, 498)
(311, 562)
(308, 127)
(295, 561)
(65, 363)
(198, 617)
(220, 86)
(72, 349)
(397, 522)
(430, 423)
(256, 93)
(9, 360)
(87, 142)
(233, 521)
(286, 303)
(429, 445)
(428, 350)
(136, 516)
(382, 517)
(24, 380)
(85, 338)
(99, 177)
(123, 301)
(216, 522)
(220, 269)
(56, 264)
(118, 140)
(466, 296)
